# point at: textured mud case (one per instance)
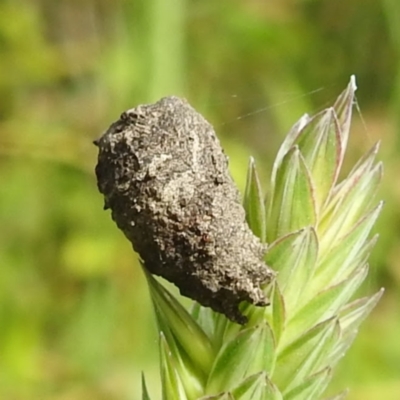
(165, 178)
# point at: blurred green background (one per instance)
(75, 316)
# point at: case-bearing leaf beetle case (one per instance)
(165, 178)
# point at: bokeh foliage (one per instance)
(75, 316)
